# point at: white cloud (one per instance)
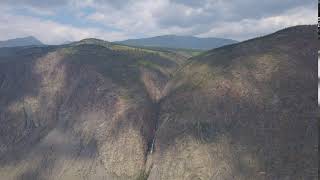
(12, 26)
(237, 19)
(133, 18)
(209, 18)
(248, 28)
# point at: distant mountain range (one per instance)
(165, 41)
(25, 41)
(179, 42)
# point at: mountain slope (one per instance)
(244, 111)
(25, 41)
(179, 42)
(84, 110)
(98, 110)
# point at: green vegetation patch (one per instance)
(148, 64)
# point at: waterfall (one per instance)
(152, 145)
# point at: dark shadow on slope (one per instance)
(18, 81)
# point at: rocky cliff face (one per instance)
(95, 110)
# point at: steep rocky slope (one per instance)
(82, 111)
(98, 110)
(245, 111)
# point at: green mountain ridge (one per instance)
(179, 42)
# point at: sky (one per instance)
(59, 21)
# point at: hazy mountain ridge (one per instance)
(179, 42)
(98, 110)
(25, 41)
